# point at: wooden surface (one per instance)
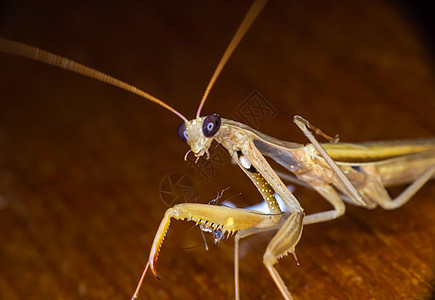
(81, 163)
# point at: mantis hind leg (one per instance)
(374, 192)
(377, 192)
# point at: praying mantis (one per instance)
(250, 157)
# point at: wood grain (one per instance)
(81, 163)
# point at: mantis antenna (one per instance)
(40, 55)
(250, 17)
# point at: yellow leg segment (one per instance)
(283, 243)
(218, 220)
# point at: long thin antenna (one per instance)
(251, 15)
(40, 55)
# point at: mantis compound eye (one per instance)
(182, 132)
(211, 125)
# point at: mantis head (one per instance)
(198, 133)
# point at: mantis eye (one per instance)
(211, 125)
(182, 132)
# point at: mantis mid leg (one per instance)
(283, 242)
(281, 245)
(332, 197)
(240, 235)
(327, 192)
(345, 185)
(375, 190)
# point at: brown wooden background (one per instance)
(81, 162)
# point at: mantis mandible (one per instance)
(360, 172)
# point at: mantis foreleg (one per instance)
(218, 220)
